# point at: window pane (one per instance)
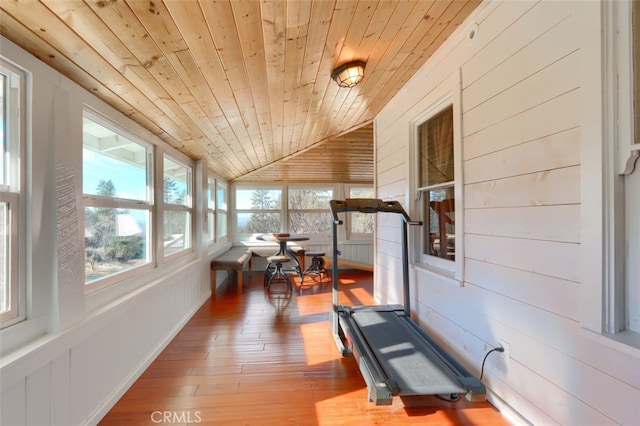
(5, 235)
(436, 149)
(115, 240)
(221, 225)
(361, 223)
(113, 165)
(632, 244)
(3, 128)
(211, 226)
(360, 192)
(309, 223)
(258, 199)
(177, 231)
(300, 199)
(440, 223)
(222, 197)
(177, 183)
(211, 190)
(258, 223)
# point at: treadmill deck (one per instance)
(407, 359)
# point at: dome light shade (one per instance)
(349, 74)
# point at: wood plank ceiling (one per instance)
(246, 85)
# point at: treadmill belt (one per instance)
(406, 359)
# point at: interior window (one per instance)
(361, 223)
(436, 184)
(258, 210)
(117, 199)
(177, 183)
(309, 210)
(222, 229)
(12, 284)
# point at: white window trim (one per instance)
(606, 123)
(448, 93)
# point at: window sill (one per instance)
(627, 342)
(442, 274)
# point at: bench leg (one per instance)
(239, 279)
(213, 283)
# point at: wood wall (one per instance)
(521, 103)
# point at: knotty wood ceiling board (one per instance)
(246, 85)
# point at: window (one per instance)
(611, 262)
(176, 199)
(116, 181)
(258, 210)
(437, 184)
(211, 210)
(309, 210)
(361, 223)
(222, 228)
(12, 283)
(629, 147)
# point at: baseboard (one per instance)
(506, 410)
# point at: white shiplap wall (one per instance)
(521, 103)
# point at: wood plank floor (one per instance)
(270, 359)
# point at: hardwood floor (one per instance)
(270, 359)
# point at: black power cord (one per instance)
(498, 349)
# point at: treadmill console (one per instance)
(366, 205)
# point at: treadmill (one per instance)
(395, 356)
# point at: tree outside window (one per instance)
(361, 223)
(258, 210)
(309, 210)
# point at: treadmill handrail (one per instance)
(371, 205)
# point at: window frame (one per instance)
(282, 210)
(210, 211)
(288, 211)
(447, 94)
(187, 206)
(358, 236)
(12, 189)
(97, 201)
(609, 153)
(222, 210)
(621, 131)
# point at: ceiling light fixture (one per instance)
(349, 74)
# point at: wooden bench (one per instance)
(231, 260)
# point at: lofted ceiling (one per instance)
(245, 85)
